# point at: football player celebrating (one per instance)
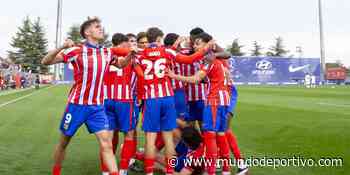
(216, 106)
(119, 104)
(85, 102)
(171, 41)
(195, 92)
(159, 108)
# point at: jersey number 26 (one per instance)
(158, 68)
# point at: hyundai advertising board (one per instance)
(273, 70)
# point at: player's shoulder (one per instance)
(155, 52)
(71, 50)
(213, 65)
(170, 51)
(186, 51)
(140, 51)
(225, 62)
(217, 63)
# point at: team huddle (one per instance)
(180, 86)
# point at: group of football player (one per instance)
(179, 86)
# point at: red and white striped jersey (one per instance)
(179, 69)
(195, 91)
(119, 83)
(138, 84)
(154, 60)
(229, 77)
(89, 66)
(218, 93)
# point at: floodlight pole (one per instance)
(322, 46)
(57, 68)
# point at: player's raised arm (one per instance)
(178, 41)
(189, 79)
(138, 70)
(119, 51)
(218, 48)
(189, 59)
(222, 55)
(54, 56)
(220, 52)
(122, 51)
(121, 62)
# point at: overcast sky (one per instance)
(296, 21)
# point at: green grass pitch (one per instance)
(271, 121)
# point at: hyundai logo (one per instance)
(263, 65)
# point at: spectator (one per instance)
(37, 82)
(23, 82)
(2, 83)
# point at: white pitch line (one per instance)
(23, 97)
(14, 91)
(336, 105)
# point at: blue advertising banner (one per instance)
(68, 72)
(273, 70)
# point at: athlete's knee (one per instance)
(150, 139)
(150, 144)
(64, 141)
(105, 145)
(168, 138)
(105, 140)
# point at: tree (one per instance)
(74, 33)
(21, 42)
(30, 45)
(277, 50)
(235, 48)
(40, 45)
(256, 51)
